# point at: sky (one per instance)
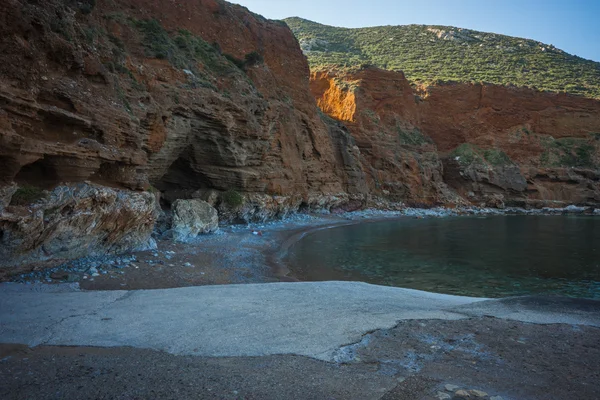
(570, 25)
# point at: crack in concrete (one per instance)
(52, 327)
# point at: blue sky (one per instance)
(570, 25)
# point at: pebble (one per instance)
(462, 394)
(477, 393)
(443, 396)
(451, 388)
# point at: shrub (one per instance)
(466, 154)
(236, 61)
(253, 58)
(184, 50)
(496, 157)
(412, 138)
(26, 195)
(233, 198)
(87, 6)
(568, 152)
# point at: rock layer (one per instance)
(203, 96)
(75, 221)
(182, 96)
(496, 143)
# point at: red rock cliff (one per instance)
(183, 95)
(498, 143)
(111, 98)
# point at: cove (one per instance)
(496, 256)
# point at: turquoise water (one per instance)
(472, 256)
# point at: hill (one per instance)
(428, 53)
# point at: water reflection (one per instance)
(491, 257)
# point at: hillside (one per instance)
(432, 53)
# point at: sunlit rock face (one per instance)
(483, 142)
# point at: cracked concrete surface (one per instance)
(310, 319)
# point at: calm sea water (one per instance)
(489, 257)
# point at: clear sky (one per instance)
(570, 25)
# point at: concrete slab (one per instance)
(312, 319)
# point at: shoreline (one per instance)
(236, 254)
(349, 340)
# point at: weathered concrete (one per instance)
(310, 319)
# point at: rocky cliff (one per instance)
(180, 96)
(108, 108)
(497, 144)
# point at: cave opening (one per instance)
(39, 174)
(181, 181)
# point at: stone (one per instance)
(451, 388)
(59, 275)
(462, 394)
(443, 396)
(75, 221)
(477, 393)
(192, 218)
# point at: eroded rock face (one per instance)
(531, 148)
(192, 218)
(116, 98)
(74, 221)
(212, 97)
(204, 97)
(551, 138)
(382, 114)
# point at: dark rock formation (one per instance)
(74, 221)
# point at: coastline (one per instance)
(350, 340)
(236, 254)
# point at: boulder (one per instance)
(74, 221)
(192, 218)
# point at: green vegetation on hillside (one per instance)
(467, 154)
(439, 53)
(569, 152)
